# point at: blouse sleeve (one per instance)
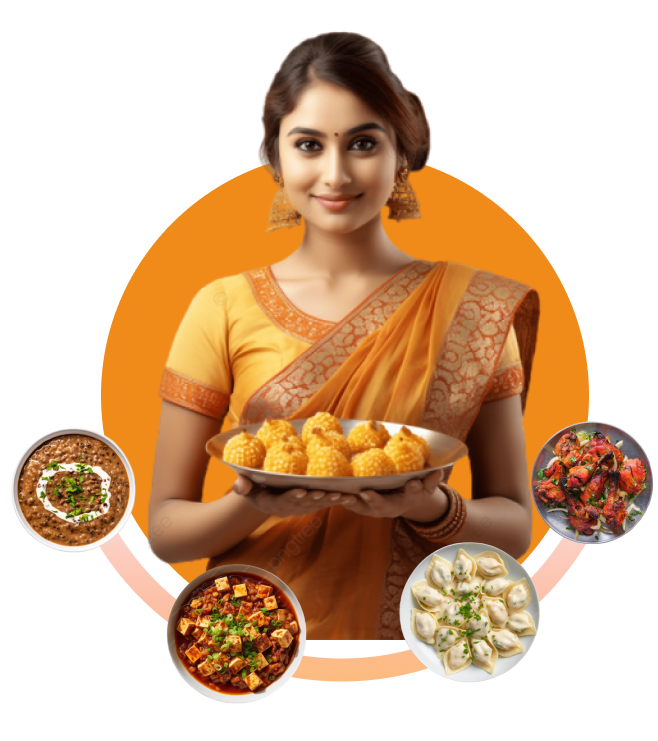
(197, 375)
(507, 379)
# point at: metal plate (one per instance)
(444, 452)
(426, 653)
(630, 448)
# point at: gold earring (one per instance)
(402, 203)
(281, 212)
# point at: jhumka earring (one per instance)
(281, 212)
(402, 203)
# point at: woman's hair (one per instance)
(359, 65)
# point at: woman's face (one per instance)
(337, 157)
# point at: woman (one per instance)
(348, 324)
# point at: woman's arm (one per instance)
(181, 526)
(500, 511)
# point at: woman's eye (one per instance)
(365, 144)
(308, 145)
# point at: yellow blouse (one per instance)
(242, 330)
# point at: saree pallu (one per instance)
(428, 348)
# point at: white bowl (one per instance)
(426, 653)
(214, 574)
(444, 452)
(131, 497)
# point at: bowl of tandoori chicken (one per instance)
(592, 482)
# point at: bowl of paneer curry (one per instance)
(236, 633)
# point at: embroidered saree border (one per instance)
(407, 550)
(463, 375)
(285, 315)
(469, 353)
(506, 382)
(288, 390)
(190, 394)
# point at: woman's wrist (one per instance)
(446, 526)
(430, 510)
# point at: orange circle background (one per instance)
(224, 234)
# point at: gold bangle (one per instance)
(449, 524)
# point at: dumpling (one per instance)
(522, 623)
(479, 625)
(484, 655)
(454, 614)
(464, 566)
(439, 573)
(465, 588)
(507, 643)
(457, 658)
(490, 564)
(497, 611)
(446, 638)
(517, 596)
(495, 587)
(423, 626)
(429, 598)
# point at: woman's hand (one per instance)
(294, 502)
(422, 500)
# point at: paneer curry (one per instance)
(237, 634)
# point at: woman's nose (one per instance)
(336, 170)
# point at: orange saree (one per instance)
(427, 349)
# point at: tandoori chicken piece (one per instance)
(578, 476)
(601, 445)
(597, 459)
(550, 492)
(632, 475)
(568, 449)
(614, 510)
(595, 487)
(556, 470)
(582, 516)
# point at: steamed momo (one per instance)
(465, 588)
(447, 637)
(439, 573)
(484, 655)
(517, 596)
(521, 623)
(464, 566)
(490, 564)
(507, 643)
(497, 611)
(423, 626)
(479, 625)
(428, 597)
(495, 587)
(453, 614)
(457, 658)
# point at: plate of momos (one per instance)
(469, 612)
(332, 454)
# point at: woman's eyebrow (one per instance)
(349, 132)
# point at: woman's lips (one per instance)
(335, 202)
